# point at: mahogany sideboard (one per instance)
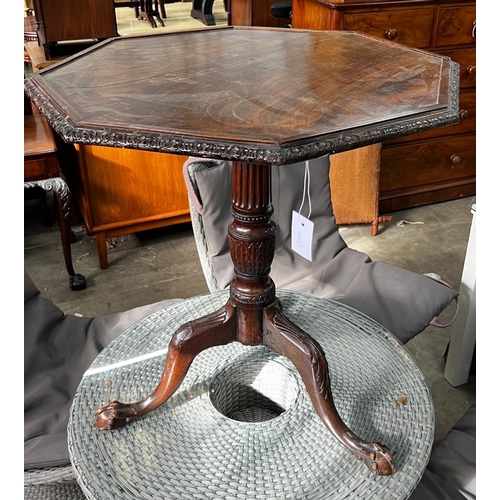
(420, 169)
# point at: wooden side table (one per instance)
(80, 22)
(110, 186)
(282, 97)
(41, 169)
(134, 4)
(123, 191)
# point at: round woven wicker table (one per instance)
(241, 426)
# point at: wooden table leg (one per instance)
(252, 316)
(148, 13)
(160, 4)
(203, 11)
(61, 190)
(102, 249)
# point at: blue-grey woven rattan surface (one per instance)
(55, 491)
(187, 449)
(52, 483)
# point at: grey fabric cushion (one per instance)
(451, 472)
(402, 301)
(58, 349)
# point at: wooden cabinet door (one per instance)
(124, 187)
(62, 20)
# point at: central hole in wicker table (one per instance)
(253, 391)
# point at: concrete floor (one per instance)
(154, 265)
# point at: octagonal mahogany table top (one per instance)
(265, 95)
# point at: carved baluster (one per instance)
(252, 236)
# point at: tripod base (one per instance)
(280, 335)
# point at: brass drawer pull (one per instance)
(391, 33)
(471, 70)
(455, 160)
(463, 113)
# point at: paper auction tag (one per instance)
(302, 233)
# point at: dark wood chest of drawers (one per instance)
(423, 168)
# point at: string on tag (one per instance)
(307, 186)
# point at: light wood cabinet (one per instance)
(419, 169)
(356, 173)
(122, 191)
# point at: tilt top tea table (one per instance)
(258, 97)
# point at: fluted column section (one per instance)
(252, 236)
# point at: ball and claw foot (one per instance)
(379, 460)
(77, 282)
(114, 415)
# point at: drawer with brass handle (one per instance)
(467, 123)
(427, 163)
(409, 26)
(418, 169)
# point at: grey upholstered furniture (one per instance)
(402, 301)
(58, 349)
(451, 471)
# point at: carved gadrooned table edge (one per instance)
(281, 154)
